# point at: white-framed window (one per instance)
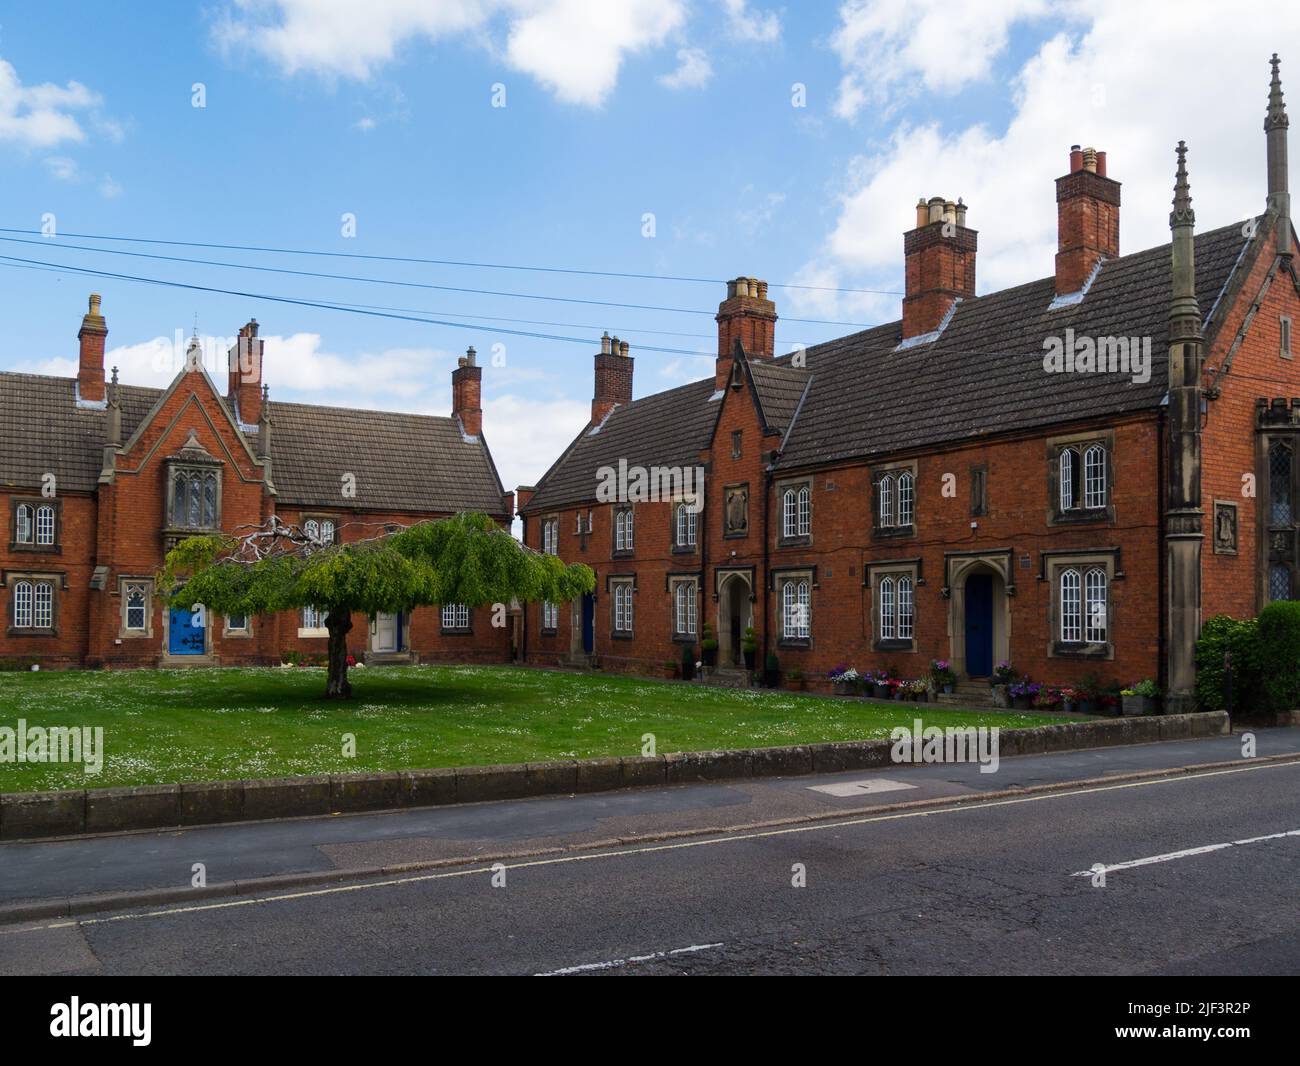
(33, 604)
(623, 532)
(319, 530)
(685, 606)
(313, 618)
(888, 608)
(1096, 606)
(796, 511)
(906, 498)
(455, 616)
(1094, 476)
(796, 609)
(25, 523)
(1065, 471)
(905, 608)
(45, 524)
(685, 525)
(622, 607)
(1071, 606)
(136, 607)
(550, 615)
(236, 624)
(551, 536)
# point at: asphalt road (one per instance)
(989, 887)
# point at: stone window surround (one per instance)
(1051, 566)
(674, 581)
(779, 490)
(132, 579)
(1078, 513)
(615, 552)
(35, 502)
(237, 634)
(877, 472)
(781, 575)
(318, 517)
(190, 466)
(676, 546)
(611, 582)
(895, 568)
(57, 579)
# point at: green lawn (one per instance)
(198, 725)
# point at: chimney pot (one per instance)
(613, 385)
(1087, 218)
(1090, 160)
(622, 349)
(604, 342)
(940, 264)
(90, 368)
(922, 213)
(1101, 164)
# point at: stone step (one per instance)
(728, 677)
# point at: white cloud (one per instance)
(693, 70)
(762, 26)
(62, 168)
(1092, 86)
(882, 43)
(41, 116)
(364, 124)
(110, 189)
(527, 433)
(573, 47)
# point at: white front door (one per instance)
(385, 632)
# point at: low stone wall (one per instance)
(30, 815)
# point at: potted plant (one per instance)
(843, 680)
(1047, 699)
(880, 687)
(771, 670)
(1141, 697)
(919, 690)
(1087, 691)
(941, 673)
(1023, 692)
(709, 647)
(749, 647)
(672, 668)
(797, 681)
(1069, 700)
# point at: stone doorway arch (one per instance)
(735, 615)
(979, 590)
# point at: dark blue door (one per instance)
(979, 625)
(184, 636)
(588, 623)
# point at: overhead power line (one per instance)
(402, 284)
(446, 262)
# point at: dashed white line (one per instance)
(587, 967)
(1186, 853)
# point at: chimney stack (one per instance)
(1087, 219)
(748, 316)
(244, 381)
(613, 378)
(940, 264)
(90, 371)
(467, 393)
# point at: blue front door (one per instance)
(979, 625)
(184, 636)
(588, 623)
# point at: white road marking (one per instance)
(817, 827)
(859, 788)
(1186, 853)
(614, 963)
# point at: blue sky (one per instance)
(681, 109)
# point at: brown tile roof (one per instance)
(983, 374)
(402, 462)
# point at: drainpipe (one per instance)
(1162, 672)
(767, 494)
(704, 550)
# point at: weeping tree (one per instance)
(464, 559)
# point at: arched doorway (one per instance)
(979, 618)
(735, 615)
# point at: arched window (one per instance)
(1094, 597)
(887, 608)
(684, 604)
(887, 500)
(805, 511)
(789, 513)
(906, 499)
(327, 531)
(1066, 476)
(795, 610)
(178, 500)
(45, 524)
(210, 501)
(22, 605)
(1094, 476)
(685, 526)
(25, 524)
(194, 502)
(618, 531)
(311, 529)
(623, 607)
(1071, 607)
(904, 627)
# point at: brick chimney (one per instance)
(940, 264)
(613, 378)
(467, 393)
(1087, 219)
(90, 371)
(748, 316)
(244, 381)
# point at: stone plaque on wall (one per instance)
(1225, 528)
(736, 512)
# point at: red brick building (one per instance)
(98, 479)
(964, 483)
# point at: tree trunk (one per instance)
(339, 624)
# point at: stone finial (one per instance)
(1182, 214)
(1277, 116)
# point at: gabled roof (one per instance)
(401, 462)
(982, 374)
(666, 429)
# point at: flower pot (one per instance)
(1132, 705)
(750, 655)
(948, 689)
(842, 688)
(1001, 696)
(881, 692)
(1022, 703)
(771, 678)
(1069, 706)
(1087, 706)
